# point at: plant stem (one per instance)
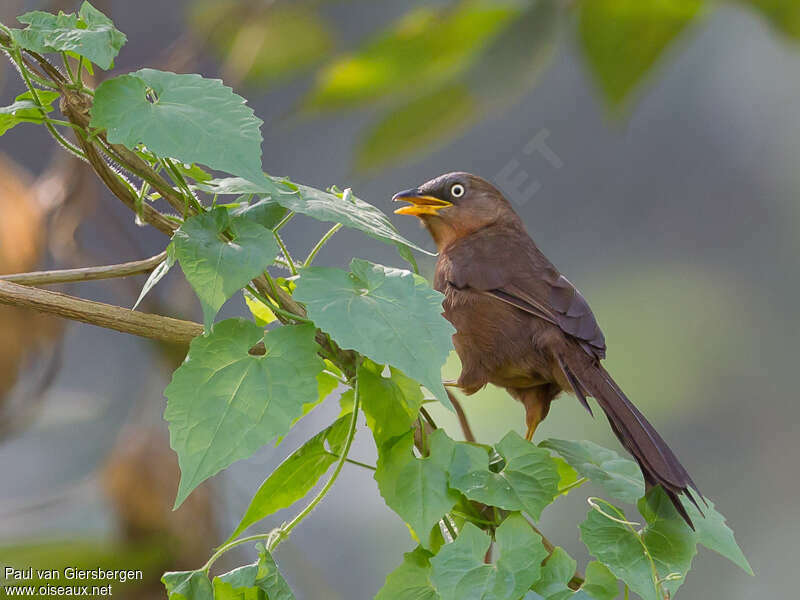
(181, 183)
(285, 252)
(87, 273)
(323, 240)
(67, 67)
(17, 56)
(284, 221)
(353, 462)
(573, 485)
(449, 526)
(275, 536)
(351, 432)
(273, 306)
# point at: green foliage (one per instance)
(253, 582)
(623, 39)
(157, 275)
(391, 404)
(390, 315)
(187, 117)
(600, 582)
(416, 125)
(261, 44)
(417, 488)
(784, 15)
(296, 475)
(331, 206)
(187, 585)
(411, 580)
(650, 561)
(557, 571)
(89, 33)
(424, 46)
(25, 110)
(375, 333)
(528, 480)
(620, 478)
(219, 254)
(458, 571)
(225, 403)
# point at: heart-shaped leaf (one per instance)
(224, 403)
(187, 117)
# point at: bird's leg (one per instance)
(533, 417)
(536, 401)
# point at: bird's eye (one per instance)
(457, 190)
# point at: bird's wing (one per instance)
(515, 271)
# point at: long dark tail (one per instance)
(659, 464)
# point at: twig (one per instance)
(87, 273)
(462, 417)
(156, 327)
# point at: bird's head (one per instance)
(454, 205)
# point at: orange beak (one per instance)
(420, 204)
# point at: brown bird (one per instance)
(521, 325)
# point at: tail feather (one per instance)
(658, 463)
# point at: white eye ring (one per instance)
(457, 190)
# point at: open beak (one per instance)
(420, 204)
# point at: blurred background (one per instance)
(650, 147)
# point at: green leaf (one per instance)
(600, 583)
(193, 171)
(390, 315)
(623, 39)
(157, 275)
(619, 477)
(492, 79)
(783, 15)
(264, 212)
(426, 46)
(89, 33)
(296, 475)
(567, 476)
(187, 585)
(411, 580)
(390, 404)
(24, 109)
(238, 584)
(187, 117)
(557, 570)
(252, 581)
(326, 383)
(416, 488)
(528, 481)
(669, 539)
(666, 539)
(262, 314)
(224, 403)
(459, 571)
(417, 127)
(264, 42)
(329, 207)
(269, 578)
(215, 267)
(712, 531)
